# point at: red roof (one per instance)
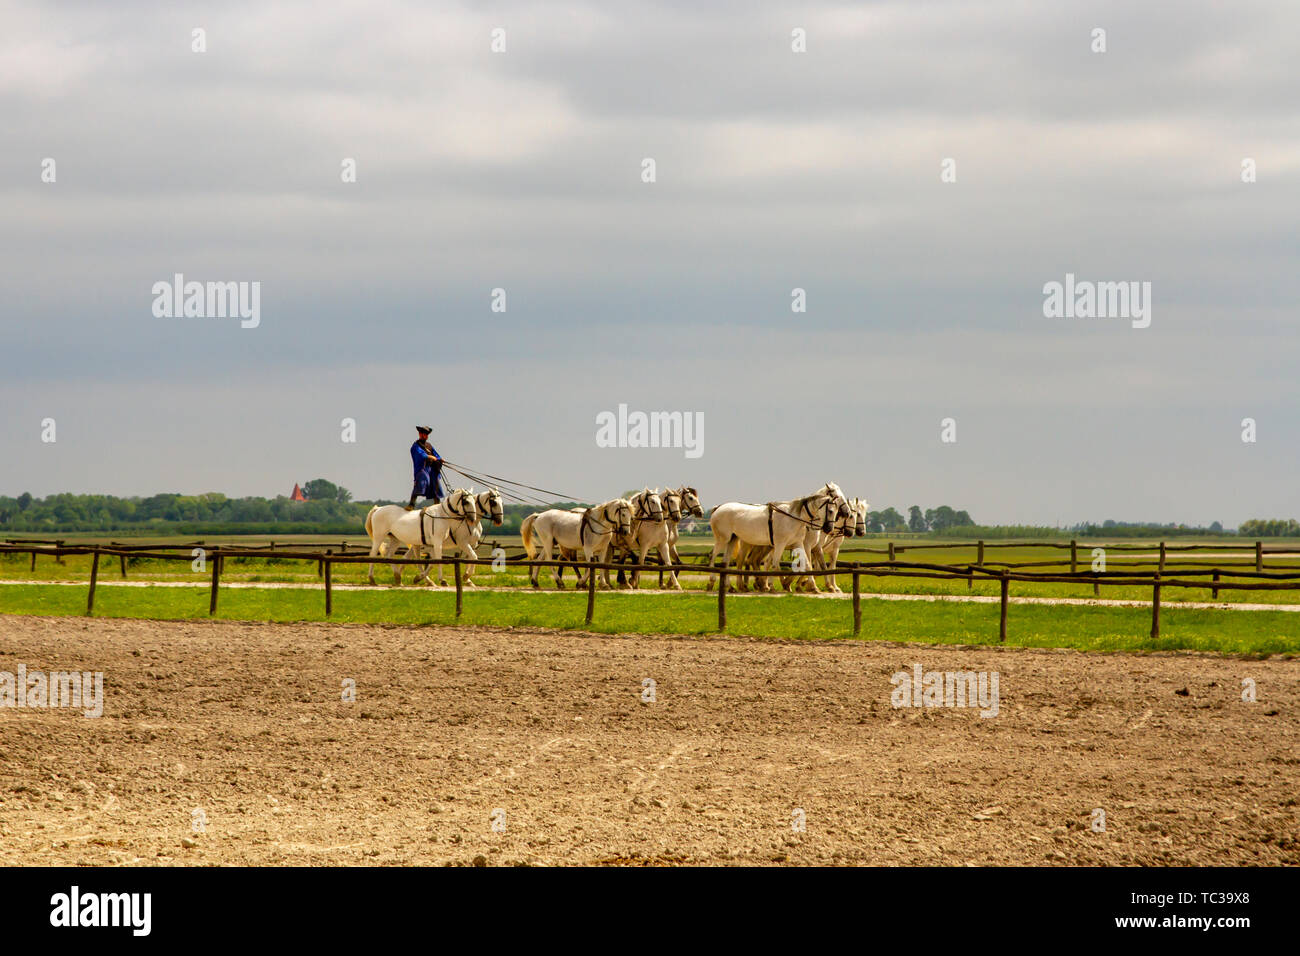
(297, 493)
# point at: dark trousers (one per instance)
(427, 487)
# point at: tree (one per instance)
(1216, 527)
(24, 501)
(916, 520)
(891, 520)
(319, 489)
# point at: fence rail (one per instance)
(1210, 578)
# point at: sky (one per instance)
(774, 170)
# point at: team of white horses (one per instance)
(748, 536)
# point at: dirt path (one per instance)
(882, 596)
(245, 723)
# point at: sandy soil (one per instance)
(245, 722)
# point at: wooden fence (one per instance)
(1209, 578)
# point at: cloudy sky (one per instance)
(775, 170)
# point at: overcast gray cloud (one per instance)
(775, 170)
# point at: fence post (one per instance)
(1214, 592)
(970, 577)
(1074, 556)
(58, 554)
(1259, 556)
(122, 562)
(891, 551)
(216, 578)
(980, 559)
(722, 599)
(1002, 625)
(857, 604)
(328, 573)
(33, 559)
(455, 568)
(591, 592)
(1162, 557)
(1155, 609)
(94, 574)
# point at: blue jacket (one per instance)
(427, 468)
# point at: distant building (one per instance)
(297, 493)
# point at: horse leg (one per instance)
(437, 557)
(604, 554)
(467, 551)
(665, 555)
(376, 549)
(559, 567)
(397, 568)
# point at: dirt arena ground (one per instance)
(246, 723)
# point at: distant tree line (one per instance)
(212, 512)
(329, 509)
(940, 520)
(1270, 528)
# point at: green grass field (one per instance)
(283, 570)
(695, 612)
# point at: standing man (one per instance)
(428, 469)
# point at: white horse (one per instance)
(653, 513)
(778, 524)
(590, 530)
(422, 531)
(489, 505)
(690, 506)
(821, 549)
(649, 532)
(827, 551)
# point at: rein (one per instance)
(610, 526)
(773, 506)
(451, 515)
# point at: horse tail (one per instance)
(526, 532)
(370, 522)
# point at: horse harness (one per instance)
(461, 515)
(773, 507)
(586, 518)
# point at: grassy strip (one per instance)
(794, 617)
(281, 570)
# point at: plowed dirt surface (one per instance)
(240, 729)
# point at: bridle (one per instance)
(643, 511)
(672, 502)
(493, 508)
(824, 525)
(686, 491)
(611, 526)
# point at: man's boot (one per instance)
(411, 506)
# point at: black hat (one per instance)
(423, 429)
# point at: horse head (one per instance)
(691, 502)
(462, 503)
(672, 502)
(489, 503)
(622, 515)
(652, 503)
